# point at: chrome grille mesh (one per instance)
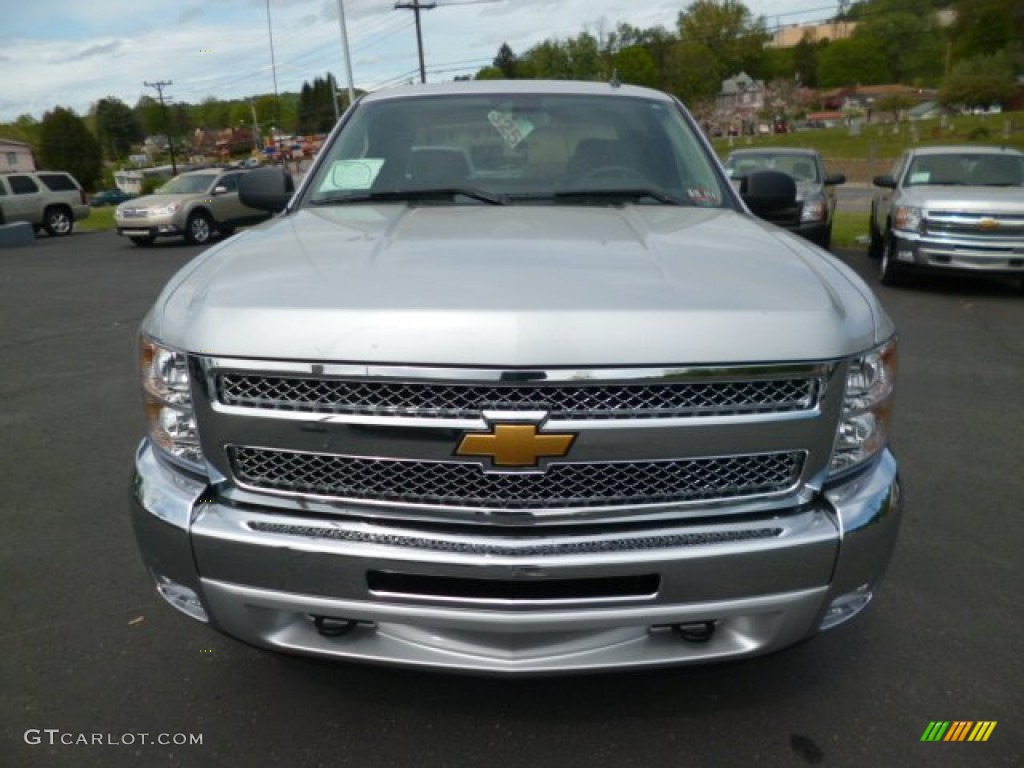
(563, 485)
(560, 400)
(998, 227)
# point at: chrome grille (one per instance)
(563, 485)
(134, 213)
(997, 227)
(560, 400)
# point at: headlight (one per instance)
(907, 217)
(170, 419)
(814, 209)
(867, 408)
(164, 210)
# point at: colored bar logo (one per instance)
(958, 730)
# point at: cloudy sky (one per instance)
(73, 53)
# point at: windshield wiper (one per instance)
(626, 193)
(411, 195)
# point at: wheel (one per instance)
(199, 229)
(890, 272)
(875, 244)
(57, 221)
(144, 240)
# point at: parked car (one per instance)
(568, 406)
(950, 209)
(192, 205)
(811, 216)
(50, 200)
(108, 197)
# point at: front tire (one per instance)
(199, 229)
(57, 221)
(875, 244)
(890, 271)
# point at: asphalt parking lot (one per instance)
(88, 649)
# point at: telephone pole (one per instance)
(415, 6)
(159, 85)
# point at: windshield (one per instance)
(966, 169)
(509, 148)
(186, 185)
(800, 166)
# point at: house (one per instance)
(739, 100)
(15, 156)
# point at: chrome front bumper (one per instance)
(263, 576)
(944, 253)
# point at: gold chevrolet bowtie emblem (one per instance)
(987, 222)
(514, 445)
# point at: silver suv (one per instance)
(192, 205)
(517, 383)
(50, 200)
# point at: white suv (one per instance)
(50, 200)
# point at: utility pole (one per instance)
(159, 85)
(415, 6)
(348, 59)
(273, 63)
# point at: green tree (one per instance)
(979, 81)
(805, 61)
(66, 144)
(910, 38)
(506, 62)
(550, 60)
(147, 112)
(25, 129)
(983, 27)
(635, 66)
(854, 61)
(692, 72)
(213, 113)
(117, 127)
(729, 31)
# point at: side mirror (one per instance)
(220, 189)
(767, 192)
(835, 178)
(884, 180)
(266, 189)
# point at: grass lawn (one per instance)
(847, 226)
(99, 219)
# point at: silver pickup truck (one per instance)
(950, 209)
(516, 382)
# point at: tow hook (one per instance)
(695, 632)
(330, 626)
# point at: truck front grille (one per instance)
(560, 400)
(563, 485)
(993, 228)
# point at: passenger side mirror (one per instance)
(835, 178)
(266, 189)
(885, 180)
(767, 192)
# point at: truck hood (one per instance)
(965, 199)
(511, 286)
